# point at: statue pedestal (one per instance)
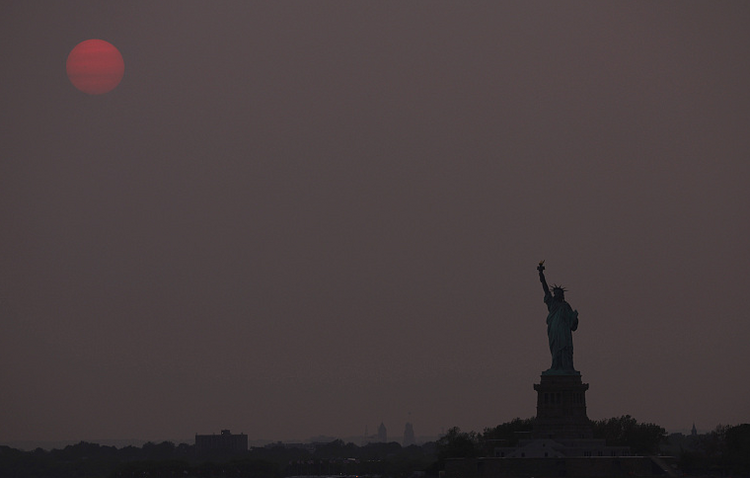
(561, 408)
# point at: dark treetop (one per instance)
(562, 320)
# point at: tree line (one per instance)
(724, 451)
(642, 438)
(156, 460)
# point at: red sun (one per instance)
(95, 67)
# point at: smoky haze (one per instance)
(294, 219)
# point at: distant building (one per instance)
(694, 431)
(224, 442)
(382, 433)
(409, 435)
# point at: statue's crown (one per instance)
(558, 288)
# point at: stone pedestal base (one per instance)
(561, 408)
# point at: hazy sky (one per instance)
(304, 218)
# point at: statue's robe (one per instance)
(562, 320)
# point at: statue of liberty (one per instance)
(562, 320)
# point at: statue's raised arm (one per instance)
(541, 278)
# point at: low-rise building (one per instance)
(226, 441)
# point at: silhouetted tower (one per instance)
(382, 434)
(694, 431)
(409, 435)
